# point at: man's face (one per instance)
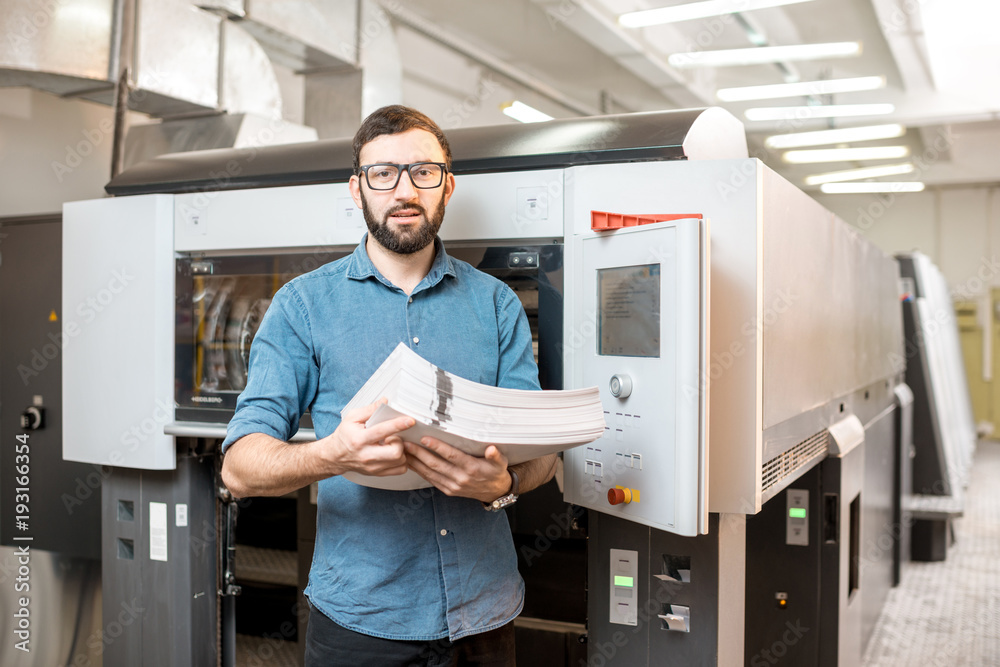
(405, 219)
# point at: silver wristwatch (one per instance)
(506, 500)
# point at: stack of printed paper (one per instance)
(471, 416)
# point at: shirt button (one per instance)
(411, 300)
(443, 532)
(415, 340)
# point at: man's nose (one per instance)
(404, 188)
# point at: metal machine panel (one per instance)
(651, 136)
(64, 497)
(841, 582)
(825, 289)
(118, 309)
(522, 205)
(727, 193)
(636, 312)
(293, 217)
(159, 579)
(674, 574)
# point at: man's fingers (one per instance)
(389, 472)
(444, 450)
(494, 454)
(363, 414)
(386, 429)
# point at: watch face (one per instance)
(502, 502)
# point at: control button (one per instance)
(619, 496)
(621, 385)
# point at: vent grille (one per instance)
(793, 460)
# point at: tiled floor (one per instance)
(948, 613)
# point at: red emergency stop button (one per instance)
(619, 496)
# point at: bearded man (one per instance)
(436, 584)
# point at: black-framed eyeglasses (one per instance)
(423, 175)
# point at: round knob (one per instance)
(618, 496)
(621, 385)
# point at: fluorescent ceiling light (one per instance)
(762, 55)
(827, 87)
(840, 136)
(846, 154)
(859, 174)
(696, 10)
(522, 112)
(817, 111)
(865, 188)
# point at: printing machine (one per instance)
(745, 341)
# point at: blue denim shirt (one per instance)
(413, 565)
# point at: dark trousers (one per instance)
(330, 645)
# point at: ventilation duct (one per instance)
(298, 34)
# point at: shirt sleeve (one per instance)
(283, 375)
(517, 368)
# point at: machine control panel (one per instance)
(624, 579)
(797, 518)
(637, 328)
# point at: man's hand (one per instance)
(456, 473)
(374, 451)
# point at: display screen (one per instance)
(628, 302)
(623, 581)
(797, 513)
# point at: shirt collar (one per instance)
(361, 267)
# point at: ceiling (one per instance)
(940, 60)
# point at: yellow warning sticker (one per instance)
(53, 317)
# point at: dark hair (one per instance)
(394, 119)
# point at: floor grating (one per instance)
(947, 613)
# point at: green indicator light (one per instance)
(623, 581)
(797, 512)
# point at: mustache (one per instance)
(406, 207)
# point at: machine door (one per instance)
(637, 328)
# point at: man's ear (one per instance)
(449, 187)
(354, 185)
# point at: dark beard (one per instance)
(406, 243)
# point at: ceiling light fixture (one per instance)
(764, 55)
(846, 154)
(859, 174)
(696, 10)
(825, 87)
(522, 112)
(818, 111)
(839, 136)
(871, 188)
